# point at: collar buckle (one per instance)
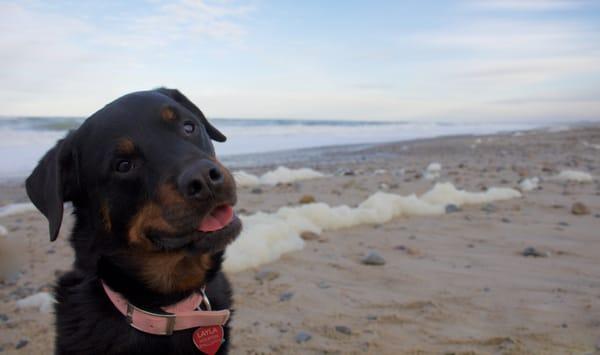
(170, 317)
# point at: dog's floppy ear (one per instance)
(213, 133)
(47, 186)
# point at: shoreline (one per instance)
(457, 282)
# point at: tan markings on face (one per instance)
(148, 218)
(168, 114)
(174, 271)
(168, 195)
(105, 216)
(125, 146)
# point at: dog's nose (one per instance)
(200, 180)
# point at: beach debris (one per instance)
(506, 220)
(548, 167)
(343, 329)
(307, 199)
(266, 236)
(286, 296)
(21, 344)
(346, 172)
(257, 190)
(380, 172)
(590, 145)
(309, 236)
(373, 258)
(323, 285)
(3, 317)
(371, 317)
(573, 175)
(10, 277)
(432, 171)
(489, 208)
(384, 186)
(43, 301)
(563, 224)
(452, 208)
(531, 251)
(281, 175)
(580, 209)
(302, 337)
(266, 275)
(16, 208)
(408, 250)
(529, 184)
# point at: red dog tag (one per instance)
(208, 339)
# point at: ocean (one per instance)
(26, 139)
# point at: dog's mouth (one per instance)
(220, 217)
(219, 227)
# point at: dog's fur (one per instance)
(136, 229)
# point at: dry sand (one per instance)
(451, 284)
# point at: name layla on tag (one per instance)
(208, 339)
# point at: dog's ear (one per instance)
(48, 185)
(213, 132)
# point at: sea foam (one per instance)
(274, 177)
(16, 208)
(266, 236)
(43, 301)
(573, 175)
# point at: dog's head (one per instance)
(143, 171)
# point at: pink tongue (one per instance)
(217, 219)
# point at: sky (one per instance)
(430, 60)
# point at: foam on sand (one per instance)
(43, 301)
(266, 236)
(280, 175)
(16, 208)
(573, 175)
(529, 184)
(432, 171)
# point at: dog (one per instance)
(153, 216)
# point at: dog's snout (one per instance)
(200, 180)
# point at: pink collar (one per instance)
(182, 315)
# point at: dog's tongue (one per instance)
(217, 219)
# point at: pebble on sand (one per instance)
(307, 199)
(343, 329)
(266, 275)
(21, 344)
(303, 337)
(580, 209)
(531, 251)
(451, 208)
(286, 296)
(373, 258)
(309, 236)
(489, 208)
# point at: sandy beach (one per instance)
(520, 276)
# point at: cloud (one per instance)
(528, 5)
(184, 20)
(48, 56)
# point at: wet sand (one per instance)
(456, 283)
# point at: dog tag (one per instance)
(208, 339)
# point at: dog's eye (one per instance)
(124, 166)
(189, 127)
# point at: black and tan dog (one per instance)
(153, 215)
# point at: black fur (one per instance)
(81, 169)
